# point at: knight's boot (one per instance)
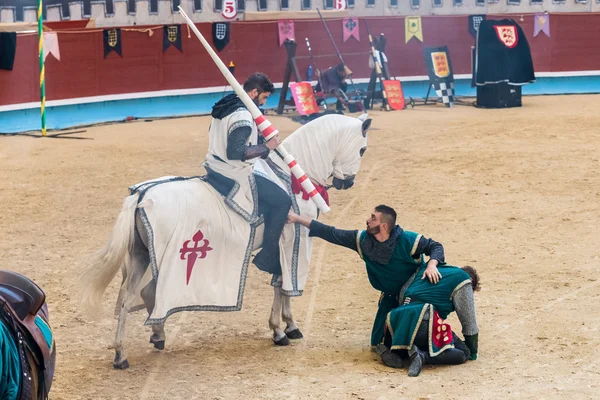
(275, 219)
(267, 260)
(418, 358)
(388, 357)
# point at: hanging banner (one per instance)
(51, 45)
(286, 30)
(395, 96)
(229, 9)
(8, 49)
(412, 27)
(474, 21)
(304, 98)
(172, 36)
(112, 41)
(350, 28)
(220, 31)
(541, 24)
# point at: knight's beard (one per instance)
(374, 230)
(255, 101)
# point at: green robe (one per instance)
(10, 365)
(389, 278)
(403, 322)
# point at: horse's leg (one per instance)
(137, 266)
(291, 329)
(279, 336)
(158, 336)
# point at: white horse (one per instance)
(330, 146)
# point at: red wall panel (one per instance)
(83, 71)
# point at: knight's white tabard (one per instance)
(240, 199)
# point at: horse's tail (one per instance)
(104, 265)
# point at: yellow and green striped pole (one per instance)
(42, 73)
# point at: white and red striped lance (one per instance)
(264, 126)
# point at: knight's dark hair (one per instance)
(259, 81)
(388, 215)
(474, 277)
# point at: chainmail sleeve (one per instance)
(237, 147)
(464, 304)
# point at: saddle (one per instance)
(23, 296)
(22, 302)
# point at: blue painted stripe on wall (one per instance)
(61, 117)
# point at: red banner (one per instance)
(350, 28)
(395, 96)
(286, 30)
(304, 98)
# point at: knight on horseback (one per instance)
(234, 147)
(185, 243)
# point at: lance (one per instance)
(314, 61)
(336, 49)
(377, 68)
(265, 127)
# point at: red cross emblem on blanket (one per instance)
(195, 252)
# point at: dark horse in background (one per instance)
(27, 350)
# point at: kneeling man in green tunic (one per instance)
(391, 254)
(411, 309)
(418, 325)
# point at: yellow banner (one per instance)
(412, 27)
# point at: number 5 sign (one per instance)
(340, 4)
(229, 9)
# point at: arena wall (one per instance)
(141, 12)
(567, 62)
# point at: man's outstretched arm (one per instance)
(329, 233)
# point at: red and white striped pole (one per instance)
(265, 127)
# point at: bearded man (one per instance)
(233, 149)
(391, 255)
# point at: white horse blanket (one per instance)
(200, 249)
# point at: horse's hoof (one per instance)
(121, 364)
(159, 345)
(284, 341)
(295, 334)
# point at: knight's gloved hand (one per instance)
(251, 152)
(472, 343)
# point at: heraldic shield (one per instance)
(441, 68)
(394, 93)
(172, 36)
(220, 31)
(112, 41)
(507, 35)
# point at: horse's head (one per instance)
(330, 146)
(350, 152)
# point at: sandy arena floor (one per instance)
(514, 192)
